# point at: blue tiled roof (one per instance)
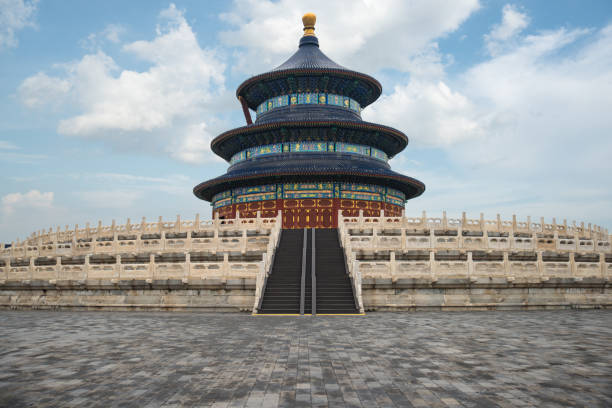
(308, 167)
(309, 56)
(309, 70)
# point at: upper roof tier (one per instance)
(309, 70)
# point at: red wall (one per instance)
(309, 212)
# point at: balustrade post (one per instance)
(115, 243)
(187, 265)
(392, 265)
(572, 262)
(444, 221)
(528, 223)
(432, 265)
(118, 266)
(225, 264)
(86, 268)
(58, 265)
(152, 266)
(244, 240)
(470, 263)
(403, 238)
(432, 238)
(177, 224)
(196, 226)
(540, 264)
(31, 268)
(506, 263)
(602, 265)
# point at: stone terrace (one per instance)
(429, 359)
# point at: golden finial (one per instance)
(309, 20)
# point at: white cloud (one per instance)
(154, 110)
(365, 35)
(14, 16)
(429, 113)
(195, 146)
(529, 127)
(41, 89)
(111, 33)
(513, 22)
(31, 199)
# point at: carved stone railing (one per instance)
(588, 232)
(116, 238)
(353, 266)
(434, 249)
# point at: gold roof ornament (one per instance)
(309, 20)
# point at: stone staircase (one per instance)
(282, 292)
(333, 293)
(334, 290)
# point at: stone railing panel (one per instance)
(19, 273)
(413, 269)
(416, 242)
(473, 242)
(451, 269)
(446, 242)
(556, 269)
(523, 243)
(525, 269)
(588, 270)
(45, 272)
(494, 269)
(103, 271)
(135, 271)
(170, 270)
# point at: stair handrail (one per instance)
(267, 262)
(313, 269)
(303, 277)
(351, 263)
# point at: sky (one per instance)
(107, 108)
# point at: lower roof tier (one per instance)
(297, 167)
(385, 138)
(309, 190)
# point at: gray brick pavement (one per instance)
(428, 359)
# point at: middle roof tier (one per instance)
(389, 140)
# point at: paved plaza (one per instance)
(428, 359)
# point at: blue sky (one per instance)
(107, 108)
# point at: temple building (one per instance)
(309, 220)
(309, 154)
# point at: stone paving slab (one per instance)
(429, 359)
